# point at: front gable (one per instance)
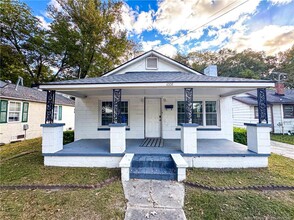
(152, 61)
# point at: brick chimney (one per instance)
(280, 88)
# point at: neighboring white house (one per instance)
(280, 109)
(152, 116)
(22, 110)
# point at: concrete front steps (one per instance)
(156, 167)
(153, 167)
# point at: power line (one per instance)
(209, 20)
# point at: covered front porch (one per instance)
(206, 147)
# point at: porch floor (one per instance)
(206, 147)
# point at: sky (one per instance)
(169, 26)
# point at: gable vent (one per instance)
(151, 63)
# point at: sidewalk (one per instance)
(286, 150)
(152, 199)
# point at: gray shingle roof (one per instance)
(30, 94)
(271, 96)
(246, 100)
(154, 77)
(2, 84)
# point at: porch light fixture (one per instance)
(169, 107)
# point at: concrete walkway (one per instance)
(152, 199)
(286, 150)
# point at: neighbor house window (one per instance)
(57, 113)
(255, 112)
(14, 111)
(210, 113)
(288, 111)
(25, 112)
(3, 111)
(106, 116)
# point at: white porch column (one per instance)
(189, 138)
(117, 138)
(258, 138)
(52, 137)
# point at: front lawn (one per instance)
(105, 203)
(288, 139)
(245, 204)
(279, 172)
(201, 204)
(29, 169)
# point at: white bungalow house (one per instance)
(280, 109)
(22, 110)
(154, 117)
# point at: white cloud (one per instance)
(272, 39)
(168, 50)
(280, 2)
(149, 45)
(220, 36)
(135, 22)
(173, 17)
(44, 24)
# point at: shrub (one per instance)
(68, 137)
(240, 135)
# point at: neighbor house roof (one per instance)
(271, 96)
(154, 77)
(29, 94)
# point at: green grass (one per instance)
(245, 204)
(288, 139)
(200, 204)
(29, 169)
(279, 171)
(105, 203)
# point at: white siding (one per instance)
(243, 113)
(282, 124)
(88, 118)
(68, 117)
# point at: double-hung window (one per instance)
(211, 113)
(14, 112)
(288, 111)
(204, 113)
(106, 114)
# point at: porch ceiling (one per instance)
(203, 91)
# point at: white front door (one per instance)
(153, 117)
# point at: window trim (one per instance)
(218, 113)
(20, 112)
(284, 105)
(100, 112)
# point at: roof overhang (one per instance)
(200, 88)
(251, 85)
